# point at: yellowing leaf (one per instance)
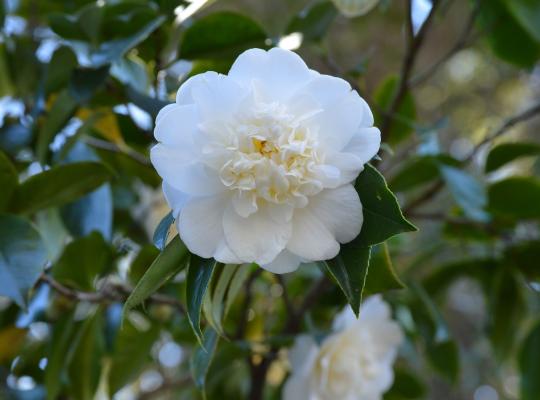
(106, 124)
(11, 339)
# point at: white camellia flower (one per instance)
(353, 363)
(258, 165)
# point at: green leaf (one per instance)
(83, 261)
(237, 282)
(213, 306)
(59, 69)
(524, 256)
(58, 186)
(406, 386)
(504, 32)
(349, 270)
(468, 193)
(131, 352)
(516, 197)
(199, 275)
(8, 180)
(382, 216)
(202, 358)
(162, 231)
(140, 264)
(86, 81)
(444, 358)
(169, 262)
(405, 115)
(507, 152)
(314, 21)
(382, 276)
(529, 365)
(84, 369)
(420, 170)
(527, 13)
(22, 257)
(221, 35)
(506, 306)
(61, 111)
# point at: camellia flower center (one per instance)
(272, 158)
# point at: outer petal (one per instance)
(257, 238)
(180, 169)
(200, 224)
(310, 238)
(277, 73)
(184, 95)
(340, 211)
(296, 388)
(175, 198)
(177, 125)
(337, 123)
(326, 90)
(285, 262)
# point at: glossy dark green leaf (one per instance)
(145, 257)
(162, 231)
(406, 386)
(524, 256)
(22, 257)
(467, 191)
(505, 153)
(59, 69)
(213, 303)
(94, 211)
(444, 358)
(504, 31)
(529, 365)
(198, 279)
(221, 34)
(506, 308)
(349, 270)
(58, 186)
(527, 13)
(61, 111)
(84, 369)
(86, 81)
(8, 180)
(131, 352)
(382, 275)
(82, 262)
(517, 197)
(169, 262)
(314, 21)
(149, 104)
(420, 170)
(382, 215)
(202, 357)
(405, 115)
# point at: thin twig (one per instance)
(107, 294)
(105, 145)
(414, 43)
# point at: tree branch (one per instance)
(414, 43)
(107, 294)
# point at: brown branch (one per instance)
(109, 146)
(462, 42)
(414, 43)
(107, 294)
(501, 130)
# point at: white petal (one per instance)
(296, 388)
(340, 211)
(224, 253)
(201, 224)
(310, 238)
(365, 144)
(277, 73)
(180, 169)
(325, 89)
(175, 198)
(284, 262)
(348, 164)
(337, 123)
(184, 95)
(177, 125)
(257, 238)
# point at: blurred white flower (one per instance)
(257, 165)
(355, 8)
(353, 363)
